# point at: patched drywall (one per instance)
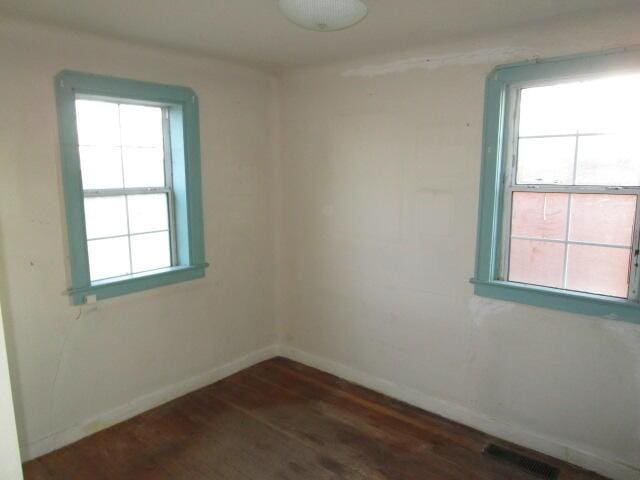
(380, 182)
(97, 363)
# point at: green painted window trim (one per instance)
(499, 86)
(182, 104)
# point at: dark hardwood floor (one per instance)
(283, 420)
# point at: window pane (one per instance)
(150, 251)
(540, 215)
(551, 110)
(143, 167)
(612, 105)
(108, 258)
(141, 126)
(101, 167)
(608, 160)
(536, 262)
(600, 270)
(98, 123)
(148, 213)
(105, 216)
(601, 218)
(546, 160)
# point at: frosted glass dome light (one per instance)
(323, 15)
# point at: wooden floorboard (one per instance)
(283, 420)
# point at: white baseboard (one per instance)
(513, 433)
(144, 403)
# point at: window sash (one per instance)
(117, 192)
(168, 178)
(112, 192)
(510, 185)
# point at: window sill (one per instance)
(136, 283)
(574, 302)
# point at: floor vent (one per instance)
(535, 467)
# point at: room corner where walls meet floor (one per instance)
(368, 173)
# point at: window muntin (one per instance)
(571, 190)
(125, 165)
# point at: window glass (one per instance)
(150, 251)
(101, 167)
(581, 133)
(574, 241)
(105, 216)
(143, 167)
(610, 105)
(540, 215)
(109, 258)
(536, 262)
(98, 123)
(608, 160)
(141, 126)
(148, 213)
(597, 269)
(602, 218)
(549, 110)
(546, 160)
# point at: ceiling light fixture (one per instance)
(323, 15)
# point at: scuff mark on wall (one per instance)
(486, 55)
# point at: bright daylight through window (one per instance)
(126, 178)
(572, 186)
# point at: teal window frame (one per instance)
(182, 106)
(501, 86)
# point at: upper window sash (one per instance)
(497, 182)
(512, 138)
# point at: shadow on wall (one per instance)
(7, 318)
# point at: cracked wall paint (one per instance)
(477, 57)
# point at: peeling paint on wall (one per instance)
(487, 55)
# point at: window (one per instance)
(560, 194)
(130, 156)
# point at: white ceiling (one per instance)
(254, 30)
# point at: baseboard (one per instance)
(141, 404)
(513, 433)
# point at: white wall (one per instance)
(10, 465)
(77, 369)
(380, 174)
(362, 178)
